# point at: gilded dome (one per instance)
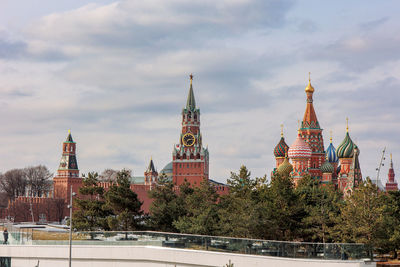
(346, 148)
(281, 148)
(299, 149)
(285, 168)
(309, 87)
(327, 167)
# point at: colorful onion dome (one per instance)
(281, 148)
(346, 148)
(327, 167)
(299, 149)
(331, 153)
(285, 168)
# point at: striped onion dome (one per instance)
(327, 167)
(346, 148)
(285, 168)
(281, 148)
(299, 149)
(331, 153)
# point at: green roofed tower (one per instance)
(68, 172)
(191, 102)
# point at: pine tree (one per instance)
(124, 204)
(389, 236)
(92, 213)
(282, 212)
(236, 210)
(363, 216)
(321, 204)
(201, 210)
(167, 206)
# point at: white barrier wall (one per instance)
(145, 256)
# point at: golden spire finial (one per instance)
(191, 78)
(331, 135)
(390, 156)
(69, 131)
(309, 88)
(281, 130)
(298, 126)
(347, 124)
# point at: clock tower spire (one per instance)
(189, 157)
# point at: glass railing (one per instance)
(328, 251)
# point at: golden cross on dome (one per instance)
(281, 130)
(347, 124)
(191, 78)
(331, 135)
(69, 131)
(309, 76)
(298, 124)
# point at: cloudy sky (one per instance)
(117, 74)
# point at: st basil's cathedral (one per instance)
(340, 166)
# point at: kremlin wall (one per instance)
(190, 162)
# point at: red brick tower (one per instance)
(391, 184)
(312, 134)
(68, 172)
(189, 158)
(150, 175)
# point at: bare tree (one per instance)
(59, 208)
(38, 180)
(20, 211)
(108, 175)
(3, 200)
(13, 183)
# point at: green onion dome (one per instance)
(327, 167)
(281, 148)
(346, 148)
(285, 168)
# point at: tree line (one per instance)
(254, 208)
(32, 181)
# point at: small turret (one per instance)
(285, 168)
(150, 175)
(391, 184)
(281, 149)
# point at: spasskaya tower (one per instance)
(189, 158)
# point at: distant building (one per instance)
(391, 184)
(190, 162)
(308, 157)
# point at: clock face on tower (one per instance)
(188, 139)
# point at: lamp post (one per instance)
(70, 225)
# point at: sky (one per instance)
(117, 74)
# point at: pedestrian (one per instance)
(5, 235)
